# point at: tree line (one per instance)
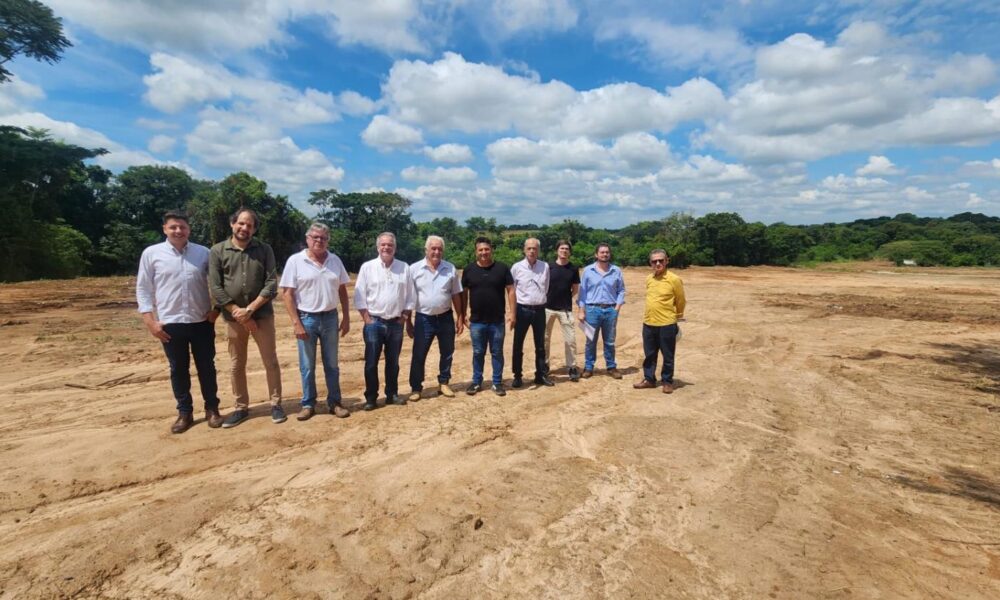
(62, 217)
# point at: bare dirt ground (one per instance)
(836, 434)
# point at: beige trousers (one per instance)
(567, 322)
(239, 339)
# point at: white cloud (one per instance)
(453, 94)
(118, 156)
(981, 168)
(878, 165)
(159, 144)
(16, 94)
(155, 124)
(439, 175)
(261, 149)
(385, 133)
(230, 26)
(356, 105)
(842, 182)
(578, 155)
(680, 46)
(641, 151)
(811, 100)
(449, 153)
(518, 15)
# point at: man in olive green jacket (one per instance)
(242, 277)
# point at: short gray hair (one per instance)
(536, 240)
(317, 226)
(658, 251)
(433, 238)
(387, 234)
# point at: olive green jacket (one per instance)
(238, 276)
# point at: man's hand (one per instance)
(511, 320)
(300, 331)
(460, 325)
(581, 316)
(409, 329)
(211, 316)
(241, 315)
(250, 325)
(156, 329)
(345, 324)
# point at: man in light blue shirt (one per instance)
(171, 290)
(437, 289)
(602, 294)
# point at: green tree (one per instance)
(356, 219)
(28, 27)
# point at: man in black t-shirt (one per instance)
(489, 292)
(564, 281)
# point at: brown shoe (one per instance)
(306, 413)
(614, 374)
(339, 411)
(184, 422)
(587, 374)
(213, 418)
(446, 391)
(668, 388)
(645, 384)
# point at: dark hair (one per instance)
(239, 211)
(598, 247)
(484, 240)
(564, 243)
(177, 214)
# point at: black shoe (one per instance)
(474, 389)
(499, 390)
(395, 399)
(370, 405)
(544, 380)
(235, 418)
(278, 415)
(518, 382)
(574, 374)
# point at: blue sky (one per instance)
(540, 110)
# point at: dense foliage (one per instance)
(63, 218)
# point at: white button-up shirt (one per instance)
(174, 283)
(531, 283)
(384, 291)
(434, 289)
(316, 288)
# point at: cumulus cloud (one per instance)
(16, 94)
(263, 150)
(453, 94)
(158, 144)
(449, 153)
(385, 133)
(811, 100)
(439, 175)
(680, 46)
(229, 26)
(878, 165)
(118, 156)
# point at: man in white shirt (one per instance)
(531, 289)
(314, 286)
(384, 297)
(171, 290)
(437, 288)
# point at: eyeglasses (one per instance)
(656, 261)
(318, 238)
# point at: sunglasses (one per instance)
(656, 261)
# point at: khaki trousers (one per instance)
(568, 324)
(239, 339)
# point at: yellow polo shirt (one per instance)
(664, 299)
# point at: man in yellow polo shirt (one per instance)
(664, 306)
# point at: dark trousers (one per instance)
(534, 318)
(187, 339)
(659, 340)
(425, 329)
(387, 335)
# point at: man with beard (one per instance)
(243, 279)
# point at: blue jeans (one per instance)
(388, 335)
(605, 321)
(487, 334)
(528, 316)
(324, 327)
(659, 340)
(425, 329)
(187, 339)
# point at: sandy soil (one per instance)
(836, 435)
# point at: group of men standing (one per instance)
(182, 287)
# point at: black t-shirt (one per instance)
(487, 291)
(561, 280)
